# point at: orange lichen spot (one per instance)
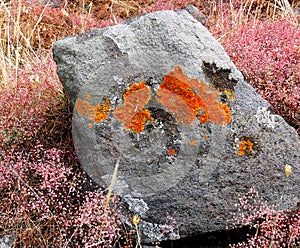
(188, 98)
(227, 112)
(132, 112)
(245, 147)
(90, 125)
(193, 142)
(171, 152)
(102, 110)
(94, 113)
(203, 118)
(139, 119)
(83, 108)
(134, 88)
(88, 96)
(205, 136)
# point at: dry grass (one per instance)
(243, 11)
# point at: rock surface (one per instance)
(6, 241)
(159, 94)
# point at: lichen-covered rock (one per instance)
(159, 94)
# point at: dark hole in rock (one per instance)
(219, 77)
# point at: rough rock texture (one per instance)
(6, 241)
(160, 94)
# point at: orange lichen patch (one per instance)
(203, 118)
(132, 112)
(187, 98)
(171, 152)
(245, 146)
(134, 88)
(83, 108)
(94, 113)
(205, 136)
(139, 119)
(90, 125)
(193, 142)
(227, 112)
(88, 96)
(102, 110)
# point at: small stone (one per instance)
(6, 241)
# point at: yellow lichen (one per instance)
(230, 94)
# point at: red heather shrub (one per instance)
(91, 221)
(256, 215)
(25, 99)
(166, 5)
(44, 205)
(42, 200)
(268, 53)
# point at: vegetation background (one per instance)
(46, 199)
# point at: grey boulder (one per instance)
(159, 94)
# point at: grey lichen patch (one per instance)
(154, 232)
(150, 232)
(219, 77)
(120, 186)
(265, 118)
(136, 205)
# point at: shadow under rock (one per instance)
(210, 240)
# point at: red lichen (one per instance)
(94, 113)
(132, 112)
(189, 98)
(245, 146)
